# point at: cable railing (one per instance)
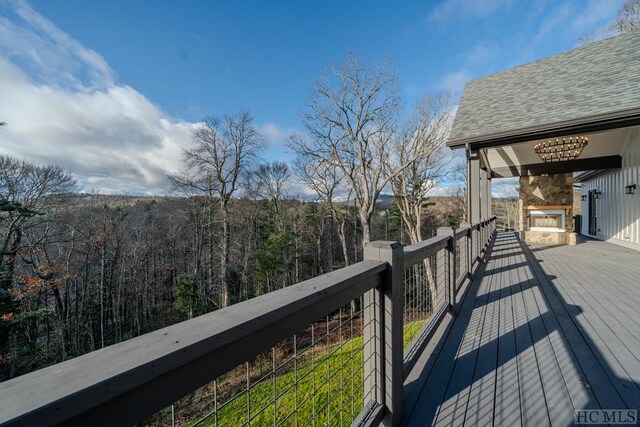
(333, 350)
(315, 377)
(424, 294)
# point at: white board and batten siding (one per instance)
(618, 213)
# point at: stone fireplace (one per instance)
(546, 209)
(552, 220)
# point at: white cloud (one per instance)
(63, 105)
(595, 14)
(505, 187)
(275, 135)
(453, 10)
(578, 18)
(443, 191)
(557, 18)
(455, 81)
(479, 55)
(49, 53)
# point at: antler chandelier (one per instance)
(561, 149)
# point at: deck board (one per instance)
(532, 397)
(507, 410)
(439, 364)
(480, 404)
(613, 343)
(453, 408)
(597, 376)
(541, 331)
(554, 388)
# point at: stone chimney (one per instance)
(546, 209)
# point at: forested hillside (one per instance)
(81, 272)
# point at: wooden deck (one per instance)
(540, 332)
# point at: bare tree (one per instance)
(326, 180)
(458, 177)
(271, 180)
(421, 146)
(351, 118)
(506, 205)
(224, 150)
(628, 19)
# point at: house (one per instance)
(471, 327)
(610, 200)
(577, 111)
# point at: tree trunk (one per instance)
(365, 220)
(102, 277)
(211, 251)
(342, 234)
(320, 270)
(224, 259)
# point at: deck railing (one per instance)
(333, 350)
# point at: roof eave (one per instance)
(589, 175)
(591, 124)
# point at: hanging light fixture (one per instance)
(561, 149)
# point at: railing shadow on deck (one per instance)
(559, 316)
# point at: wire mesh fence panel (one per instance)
(461, 265)
(424, 294)
(476, 244)
(315, 378)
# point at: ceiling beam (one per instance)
(484, 162)
(578, 165)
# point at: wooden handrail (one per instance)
(413, 254)
(127, 382)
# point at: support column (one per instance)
(489, 196)
(483, 194)
(473, 188)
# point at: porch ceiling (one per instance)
(602, 152)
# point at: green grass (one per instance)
(326, 390)
(329, 392)
(411, 331)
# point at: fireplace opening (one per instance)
(546, 220)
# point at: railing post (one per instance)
(474, 244)
(468, 255)
(477, 242)
(482, 240)
(483, 234)
(372, 331)
(388, 323)
(449, 263)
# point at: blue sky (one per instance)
(112, 89)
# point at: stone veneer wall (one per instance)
(547, 190)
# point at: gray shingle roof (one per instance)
(597, 79)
